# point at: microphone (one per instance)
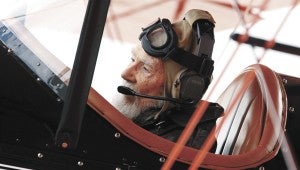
(129, 91)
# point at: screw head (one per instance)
(40, 155)
(117, 135)
(80, 163)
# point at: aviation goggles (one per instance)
(160, 40)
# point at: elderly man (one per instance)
(169, 73)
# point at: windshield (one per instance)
(44, 35)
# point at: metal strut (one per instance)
(75, 100)
(264, 43)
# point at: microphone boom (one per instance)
(129, 91)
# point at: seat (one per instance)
(255, 114)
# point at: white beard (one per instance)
(132, 109)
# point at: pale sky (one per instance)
(223, 49)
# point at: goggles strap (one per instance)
(202, 65)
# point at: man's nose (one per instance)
(129, 74)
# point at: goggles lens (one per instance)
(158, 38)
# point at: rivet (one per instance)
(261, 168)
(117, 135)
(80, 163)
(64, 145)
(117, 168)
(40, 155)
(284, 81)
(38, 79)
(162, 159)
(58, 99)
(38, 64)
(18, 140)
(291, 109)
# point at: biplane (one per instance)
(60, 62)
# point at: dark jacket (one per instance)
(172, 122)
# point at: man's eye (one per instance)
(146, 69)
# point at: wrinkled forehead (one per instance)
(138, 53)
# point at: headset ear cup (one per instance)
(192, 86)
(189, 86)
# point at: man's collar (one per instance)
(181, 117)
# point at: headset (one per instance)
(190, 83)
